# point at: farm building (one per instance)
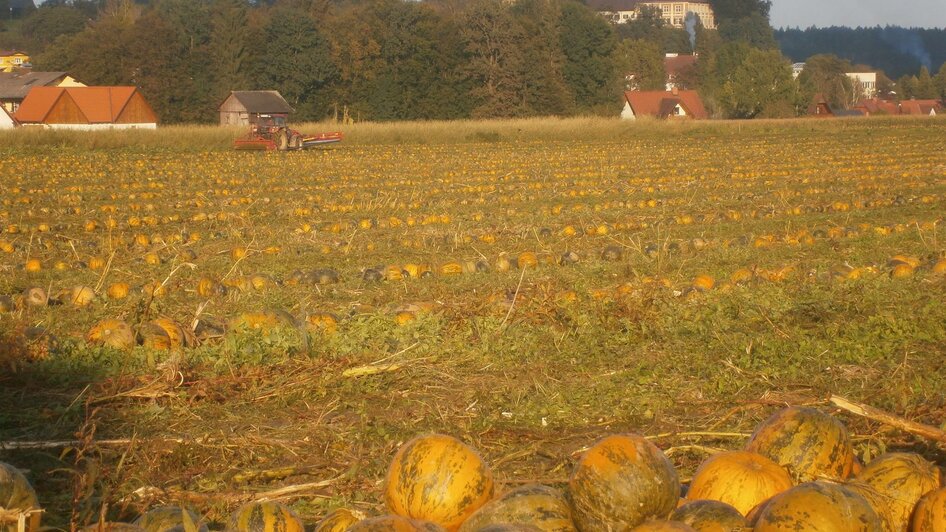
(921, 107)
(821, 108)
(14, 86)
(663, 104)
(243, 108)
(86, 108)
(6, 121)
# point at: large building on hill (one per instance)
(673, 13)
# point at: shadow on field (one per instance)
(48, 422)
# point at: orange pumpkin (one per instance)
(178, 336)
(118, 290)
(818, 506)
(338, 520)
(930, 513)
(807, 442)
(900, 479)
(112, 333)
(451, 268)
(527, 259)
(543, 507)
(710, 516)
(739, 478)
(437, 478)
(620, 482)
(394, 523)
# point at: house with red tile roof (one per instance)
(86, 108)
(680, 70)
(921, 107)
(675, 104)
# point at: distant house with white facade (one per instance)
(865, 83)
(673, 104)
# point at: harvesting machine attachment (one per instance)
(270, 132)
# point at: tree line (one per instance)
(405, 60)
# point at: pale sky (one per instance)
(853, 13)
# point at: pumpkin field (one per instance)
(185, 324)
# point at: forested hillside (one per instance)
(897, 51)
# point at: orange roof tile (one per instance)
(37, 104)
(652, 103)
(99, 105)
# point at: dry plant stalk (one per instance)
(875, 414)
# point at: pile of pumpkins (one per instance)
(797, 473)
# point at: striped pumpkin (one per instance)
(338, 520)
(807, 442)
(710, 516)
(739, 478)
(266, 516)
(930, 513)
(540, 506)
(818, 506)
(16, 494)
(170, 519)
(620, 482)
(437, 478)
(394, 523)
(900, 480)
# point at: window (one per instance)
(678, 8)
(17, 60)
(678, 21)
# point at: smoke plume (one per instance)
(691, 21)
(907, 41)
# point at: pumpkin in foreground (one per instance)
(739, 478)
(710, 516)
(818, 506)
(437, 478)
(620, 482)
(394, 523)
(541, 507)
(170, 518)
(338, 521)
(663, 526)
(809, 443)
(267, 516)
(900, 480)
(930, 513)
(17, 495)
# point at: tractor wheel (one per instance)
(281, 140)
(295, 142)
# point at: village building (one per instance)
(680, 70)
(672, 104)
(821, 108)
(673, 13)
(243, 108)
(12, 59)
(921, 107)
(86, 108)
(14, 86)
(865, 83)
(6, 121)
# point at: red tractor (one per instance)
(270, 132)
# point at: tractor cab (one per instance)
(269, 123)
